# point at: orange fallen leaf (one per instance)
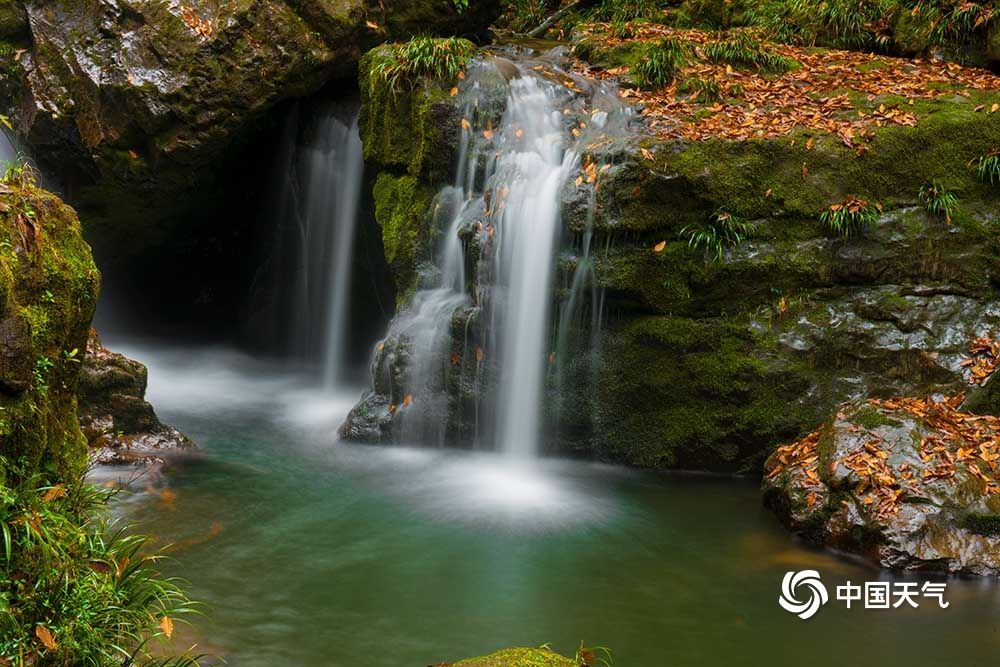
(408, 400)
(454, 91)
(53, 493)
(45, 636)
(167, 626)
(660, 246)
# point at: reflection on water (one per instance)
(311, 552)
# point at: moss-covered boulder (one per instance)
(909, 483)
(48, 292)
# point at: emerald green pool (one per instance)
(310, 552)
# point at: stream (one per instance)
(311, 552)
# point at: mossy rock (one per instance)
(402, 211)
(48, 292)
(410, 128)
(518, 657)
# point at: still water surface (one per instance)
(310, 552)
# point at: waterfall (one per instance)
(8, 152)
(321, 191)
(533, 169)
(468, 357)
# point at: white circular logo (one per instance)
(808, 581)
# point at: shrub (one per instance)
(724, 230)
(850, 217)
(938, 201)
(75, 592)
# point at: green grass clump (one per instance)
(706, 90)
(406, 63)
(661, 63)
(850, 217)
(73, 591)
(620, 11)
(740, 48)
(987, 167)
(938, 201)
(724, 230)
(849, 24)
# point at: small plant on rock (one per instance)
(987, 167)
(661, 63)
(724, 230)
(406, 63)
(938, 201)
(850, 217)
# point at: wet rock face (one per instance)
(137, 105)
(911, 484)
(120, 426)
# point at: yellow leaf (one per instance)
(45, 636)
(53, 493)
(993, 109)
(660, 246)
(454, 91)
(466, 125)
(646, 153)
(372, 25)
(809, 144)
(167, 626)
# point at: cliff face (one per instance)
(709, 360)
(48, 291)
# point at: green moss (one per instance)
(518, 657)
(411, 129)
(676, 391)
(51, 290)
(402, 210)
(982, 524)
(871, 417)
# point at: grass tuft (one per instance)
(723, 231)
(850, 217)
(938, 201)
(661, 64)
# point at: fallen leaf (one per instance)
(45, 636)
(167, 626)
(660, 246)
(408, 400)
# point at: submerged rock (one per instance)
(912, 484)
(518, 657)
(120, 425)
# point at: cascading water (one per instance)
(467, 359)
(320, 202)
(533, 168)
